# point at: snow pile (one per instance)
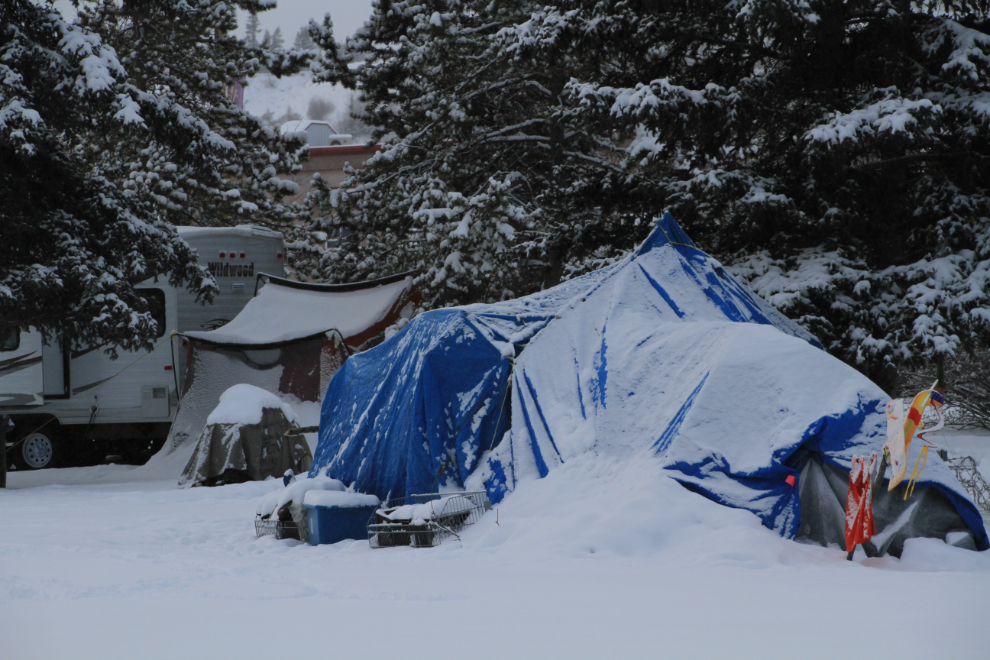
(418, 514)
(294, 494)
(243, 404)
(592, 551)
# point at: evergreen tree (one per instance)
(834, 153)
(837, 154)
(74, 243)
(252, 27)
(183, 56)
(277, 40)
(484, 185)
(303, 41)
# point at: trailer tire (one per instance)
(37, 451)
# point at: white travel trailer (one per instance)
(66, 404)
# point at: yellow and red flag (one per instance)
(899, 434)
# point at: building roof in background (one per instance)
(238, 230)
(297, 125)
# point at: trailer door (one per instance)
(21, 370)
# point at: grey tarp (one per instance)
(290, 339)
(233, 453)
(302, 369)
(927, 513)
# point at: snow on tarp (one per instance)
(416, 413)
(208, 375)
(245, 438)
(286, 311)
(418, 410)
(336, 499)
(663, 356)
(243, 404)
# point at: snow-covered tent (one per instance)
(663, 356)
(289, 339)
(244, 440)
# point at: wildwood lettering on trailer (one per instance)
(218, 269)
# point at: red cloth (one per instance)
(860, 527)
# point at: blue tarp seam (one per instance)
(541, 465)
(603, 369)
(730, 312)
(539, 411)
(663, 294)
(663, 442)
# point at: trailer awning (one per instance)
(286, 311)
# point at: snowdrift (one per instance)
(663, 357)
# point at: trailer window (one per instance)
(10, 339)
(156, 306)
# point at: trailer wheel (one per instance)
(38, 451)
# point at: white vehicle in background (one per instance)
(67, 404)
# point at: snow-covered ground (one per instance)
(600, 559)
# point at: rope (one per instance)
(639, 250)
(508, 386)
(917, 471)
(923, 455)
(97, 389)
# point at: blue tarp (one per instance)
(663, 356)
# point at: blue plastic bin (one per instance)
(337, 523)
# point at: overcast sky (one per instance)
(290, 15)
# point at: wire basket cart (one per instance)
(425, 521)
(970, 478)
(280, 529)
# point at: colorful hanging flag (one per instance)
(936, 402)
(913, 420)
(860, 526)
(895, 447)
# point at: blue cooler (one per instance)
(333, 516)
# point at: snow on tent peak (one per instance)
(663, 356)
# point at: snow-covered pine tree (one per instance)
(303, 41)
(485, 186)
(837, 154)
(252, 26)
(72, 243)
(184, 55)
(277, 40)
